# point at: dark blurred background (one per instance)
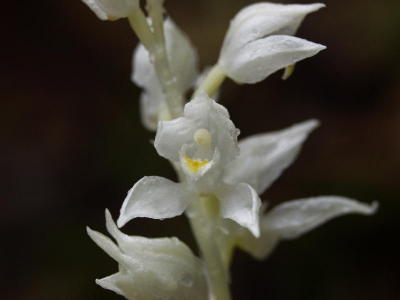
(73, 144)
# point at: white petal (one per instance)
(260, 58)
(118, 283)
(154, 197)
(150, 105)
(263, 157)
(111, 9)
(294, 218)
(241, 204)
(200, 113)
(143, 246)
(182, 56)
(105, 243)
(260, 20)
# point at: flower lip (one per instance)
(195, 165)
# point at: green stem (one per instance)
(204, 229)
(162, 64)
(154, 42)
(142, 29)
(212, 82)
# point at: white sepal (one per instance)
(154, 197)
(112, 9)
(183, 62)
(260, 58)
(294, 218)
(263, 157)
(151, 269)
(241, 204)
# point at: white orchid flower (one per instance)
(201, 144)
(262, 159)
(183, 61)
(151, 269)
(112, 9)
(259, 41)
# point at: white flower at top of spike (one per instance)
(112, 9)
(183, 61)
(201, 144)
(259, 41)
(152, 269)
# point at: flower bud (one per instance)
(259, 41)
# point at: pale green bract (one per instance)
(220, 179)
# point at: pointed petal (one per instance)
(263, 157)
(241, 204)
(141, 245)
(259, 59)
(292, 219)
(94, 6)
(117, 283)
(111, 9)
(105, 243)
(154, 197)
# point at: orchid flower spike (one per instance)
(259, 41)
(112, 9)
(183, 61)
(153, 269)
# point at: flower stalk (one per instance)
(212, 82)
(153, 38)
(203, 220)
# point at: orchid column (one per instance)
(220, 178)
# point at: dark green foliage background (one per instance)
(73, 144)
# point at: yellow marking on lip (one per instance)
(195, 165)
